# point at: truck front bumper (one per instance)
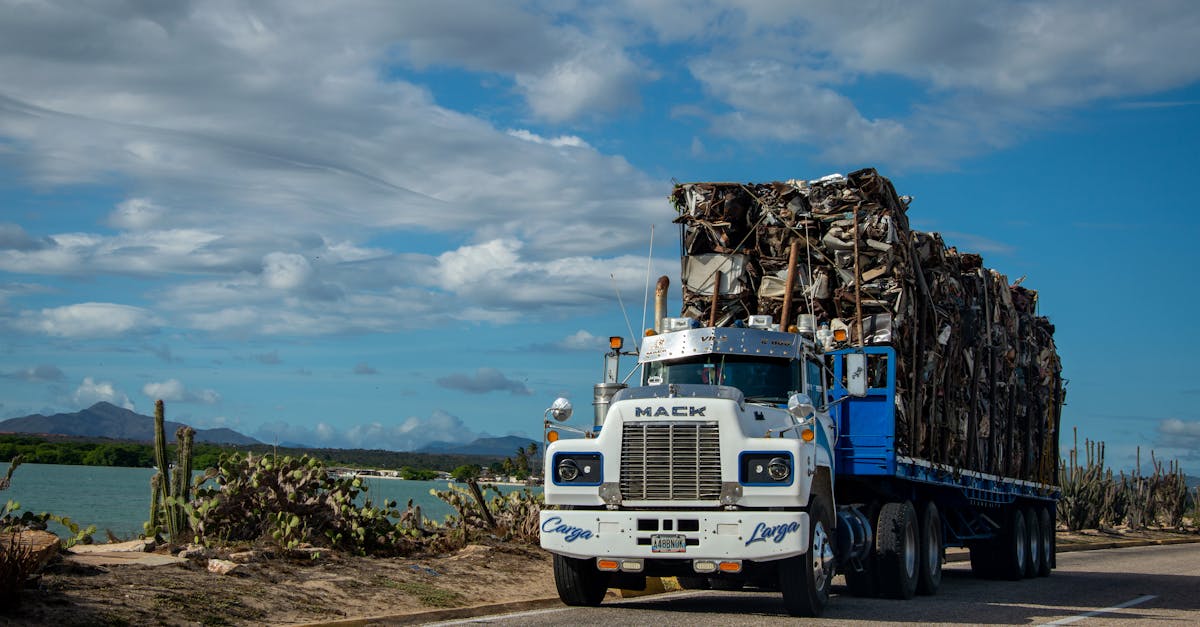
(737, 535)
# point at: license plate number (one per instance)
(668, 543)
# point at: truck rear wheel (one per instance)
(805, 580)
(1033, 530)
(898, 545)
(1012, 548)
(929, 578)
(1046, 539)
(578, 581)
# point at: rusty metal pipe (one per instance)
(660, 302)
(789, 284)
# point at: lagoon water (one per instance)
(118, 499)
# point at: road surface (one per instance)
(1130, 586)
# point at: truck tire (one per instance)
(1012, 547)
(1046, 538)
(929, 577)
(865, 583)
(898, 546)
(578, 581)
(1033, 531)
(805, 580)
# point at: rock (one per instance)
(245, 557)
(221, 567)
(144, 545)
(42, 546)
(193, 551)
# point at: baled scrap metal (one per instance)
(978, 377)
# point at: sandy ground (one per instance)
(331, 587)
(279, 590)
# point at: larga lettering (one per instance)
(777, 532)
(554, 524)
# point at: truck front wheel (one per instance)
(578, 581)
(805, 580)
(897, 545)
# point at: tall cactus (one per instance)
(169, 492)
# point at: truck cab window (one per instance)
(761, 380)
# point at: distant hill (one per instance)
(105, 420)
(504, 446)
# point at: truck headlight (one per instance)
(765, 468)
(779, 469)
(578, 469)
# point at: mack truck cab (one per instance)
(717, 469)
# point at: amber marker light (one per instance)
(731, 567)
(552, 436)
(606, 564)
(839, 335)
(807, 435)
(615, 342)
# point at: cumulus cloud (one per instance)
(483, 381)
(41, 373)
(135, 214)
(91, 392)
(88, 320)
(174, 390)
(583, 341)
(407, 434)
(1178, 433)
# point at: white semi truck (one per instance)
(753, 455)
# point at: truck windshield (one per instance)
(760, 380)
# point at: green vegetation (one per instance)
(1094, 497)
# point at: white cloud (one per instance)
(135, 214)
(285, 271)
(173, 390)
(483, 381)
(562, 141)
(583, 341)
(88, 320)
(91, 392)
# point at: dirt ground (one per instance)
(281, 590)
(289, 590)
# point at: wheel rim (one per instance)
(933, 540)
(1021, 540)
(910, 550)
(822, 553)
(1035, 543)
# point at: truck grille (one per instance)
(670, 461)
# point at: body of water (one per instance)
(118, 499)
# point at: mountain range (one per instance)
(105, 420)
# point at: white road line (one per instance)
(484, 619)
(1078, 617)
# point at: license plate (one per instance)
(668, 543)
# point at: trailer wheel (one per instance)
(1012, 550)
(929, 578)
(1033, 530)
(805, 580)
(578, 581)
(898, 545)
(865, 583)
(1046, 539)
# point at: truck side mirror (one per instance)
(856, 374)
(561, 409)
(800, 406)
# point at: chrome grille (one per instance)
(670, 461)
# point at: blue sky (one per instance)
(376, 224)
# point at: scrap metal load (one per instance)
(978, 379)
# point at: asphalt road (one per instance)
(1128, 586)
